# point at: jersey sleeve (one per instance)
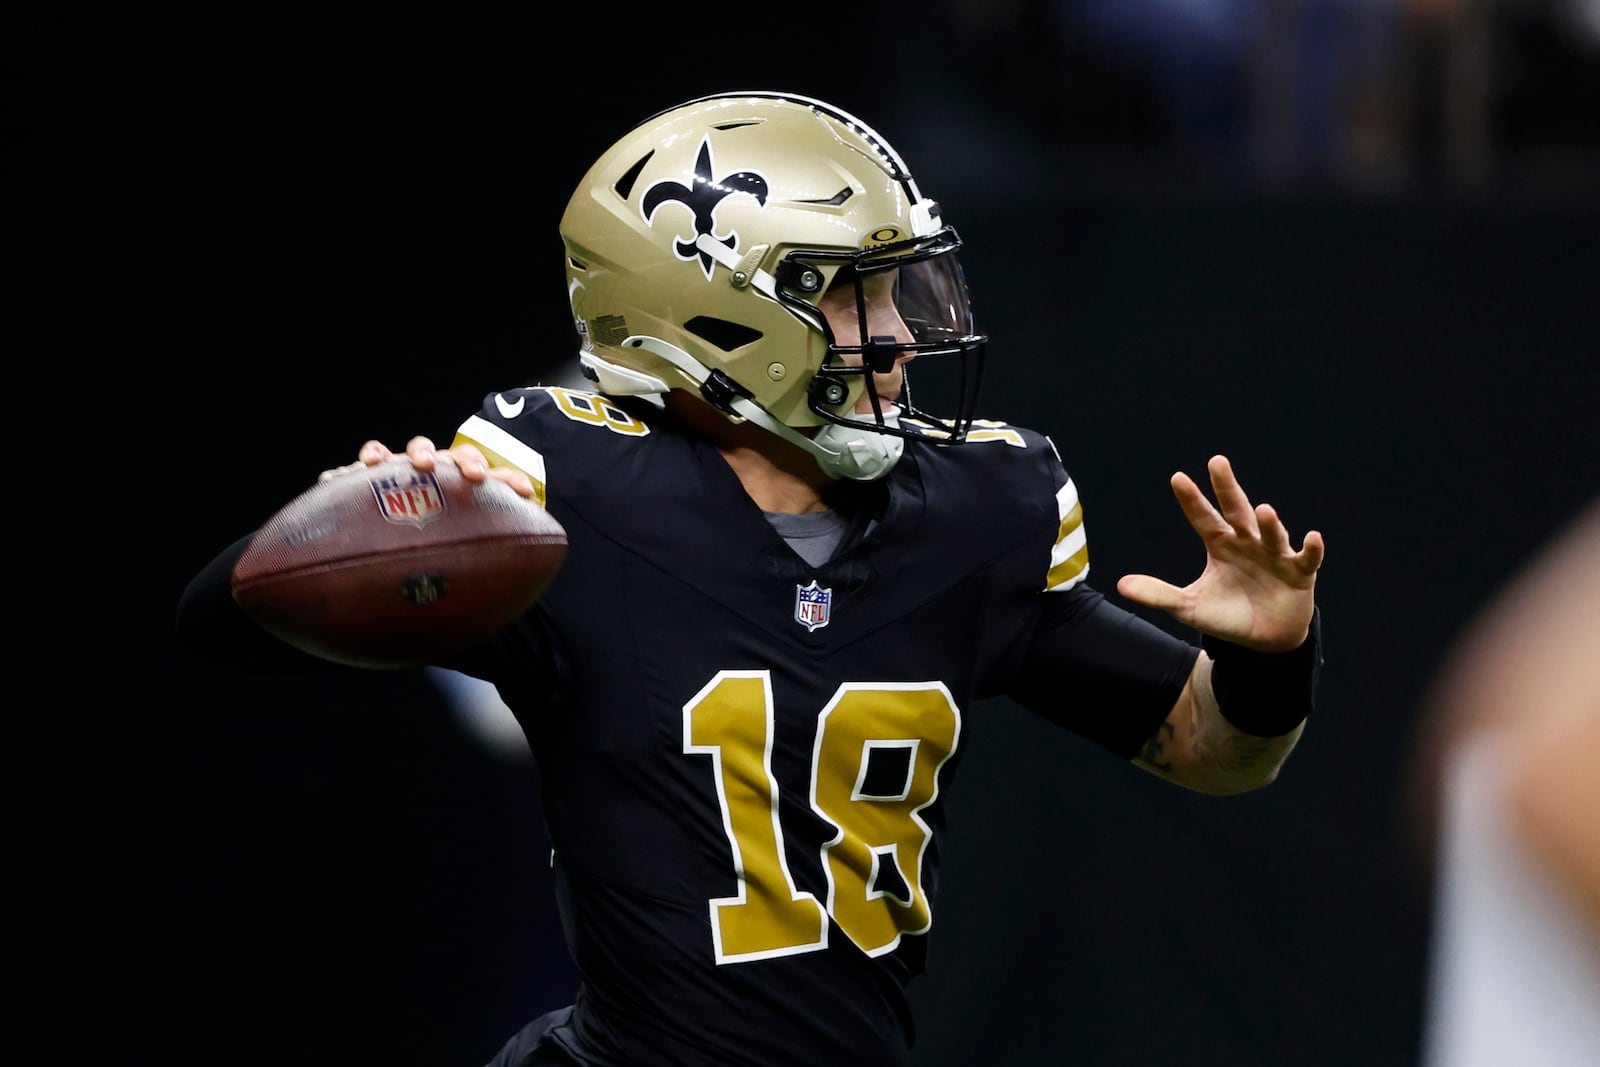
(1091, 666)
(1102, 671)
(548, 433)
(521, 428)
(1069, 557)
(501, 432)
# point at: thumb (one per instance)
(1150, 591)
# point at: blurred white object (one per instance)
(482, 713)
(1583, 16)
(1515, 973)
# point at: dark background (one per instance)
(1318, 240)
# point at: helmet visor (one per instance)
(926, 285)
(887, 307)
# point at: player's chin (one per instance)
(889, 408)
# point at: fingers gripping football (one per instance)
(425, 456)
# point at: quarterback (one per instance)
(789, 585)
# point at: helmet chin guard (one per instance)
(861, 455)
(842, 450)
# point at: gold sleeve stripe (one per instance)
(1069, 560)
(1068, 573)
(503, 450)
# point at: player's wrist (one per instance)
(1265, 694)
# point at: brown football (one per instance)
(393, 567)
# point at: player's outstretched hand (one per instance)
(1256, 590)
(424, 456)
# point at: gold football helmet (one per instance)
(699, 245)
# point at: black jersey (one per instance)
(744, 758)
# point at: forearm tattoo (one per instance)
(1155, 749)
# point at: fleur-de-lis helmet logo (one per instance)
(703, 198)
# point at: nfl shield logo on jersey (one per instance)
(811, 605)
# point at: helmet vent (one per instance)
(726, 335)
(833, 201)
(734, 125)
(624, 186)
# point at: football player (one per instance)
(790, 582)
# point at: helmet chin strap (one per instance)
(841, 451)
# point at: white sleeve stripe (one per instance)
(1068, 546)
(1066, 498)
(498, 441)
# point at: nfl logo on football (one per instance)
(413, 498)
(811, 605)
